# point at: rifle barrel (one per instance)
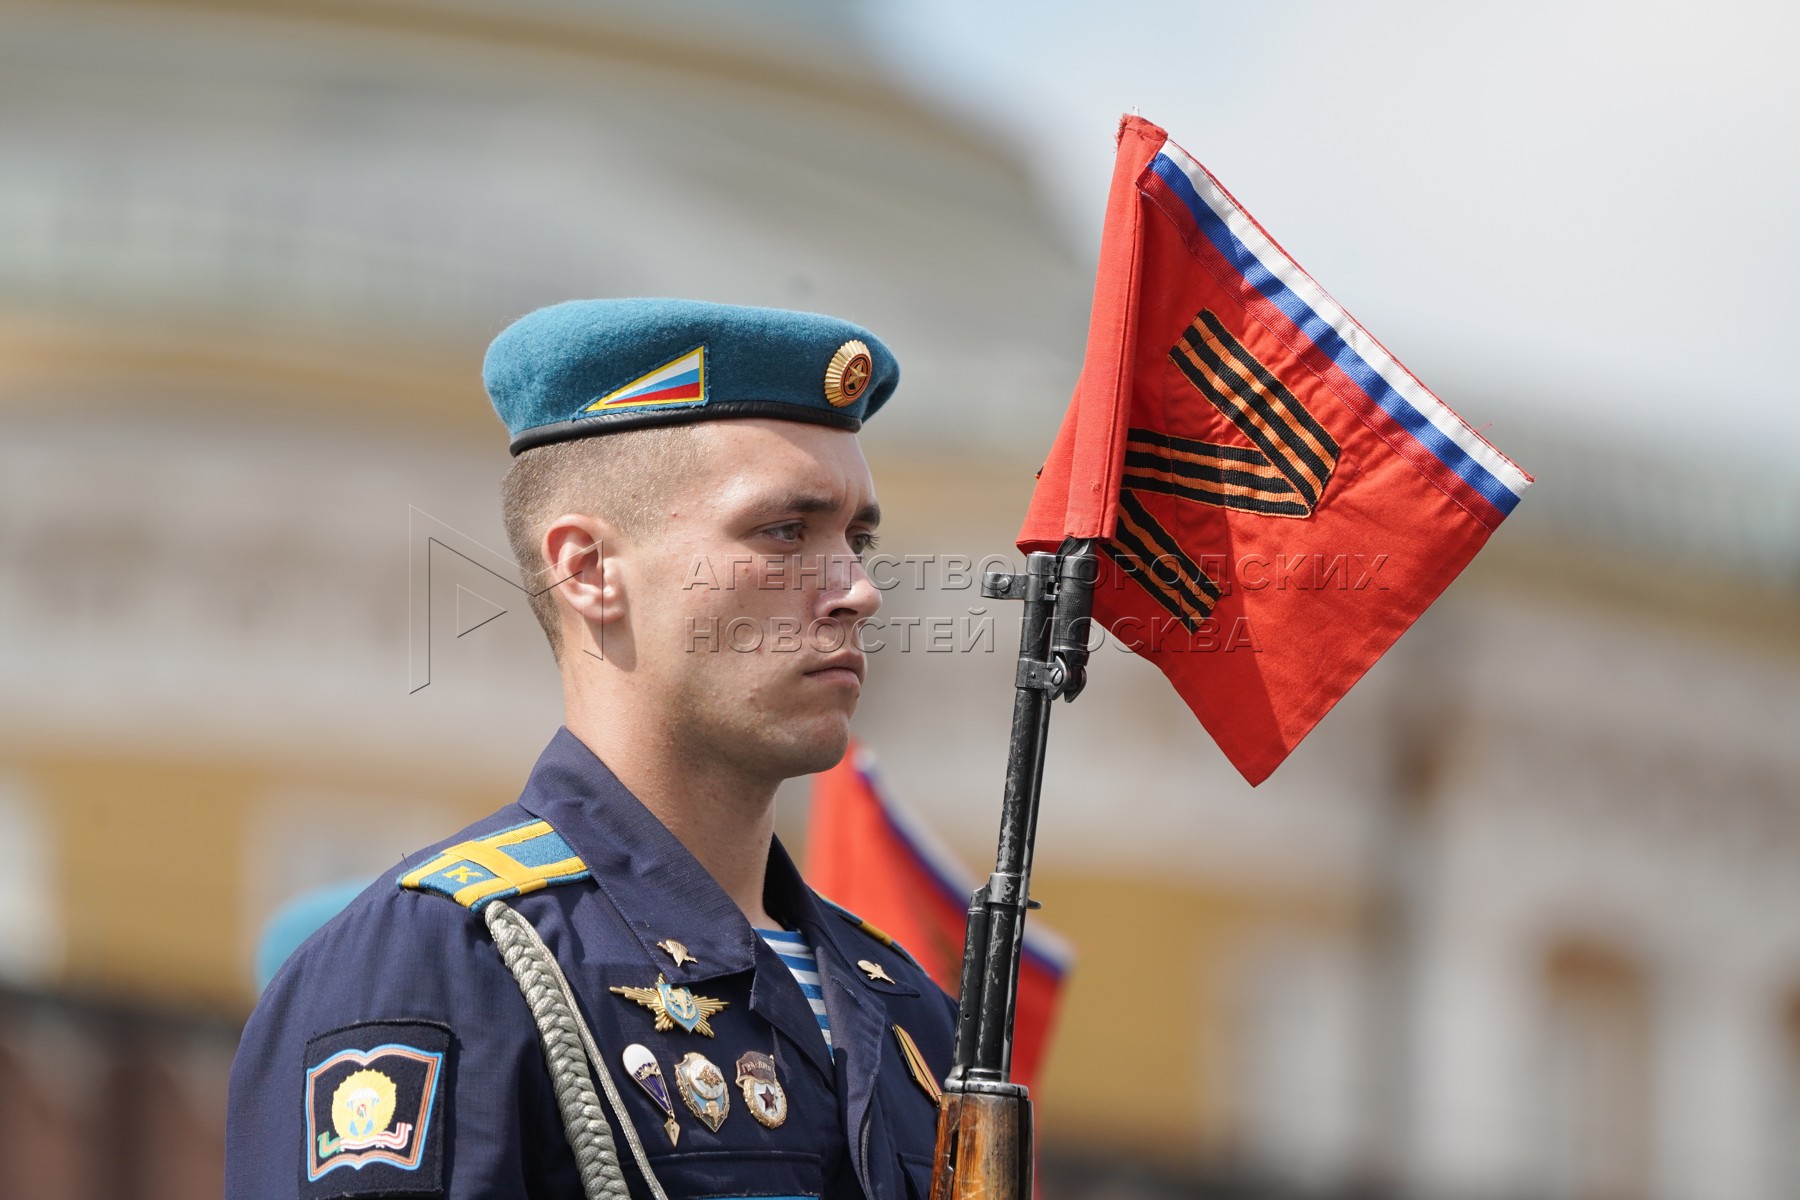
(1058, 594)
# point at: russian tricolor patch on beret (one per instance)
(680, 382)
(595, 366)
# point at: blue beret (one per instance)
(595, 366)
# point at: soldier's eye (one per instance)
(789, 533)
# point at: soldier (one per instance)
(620, 981)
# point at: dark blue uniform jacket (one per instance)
(394, 1055)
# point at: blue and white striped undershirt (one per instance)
(801, 960)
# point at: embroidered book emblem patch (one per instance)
(373, 1110)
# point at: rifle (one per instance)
(984, 1122)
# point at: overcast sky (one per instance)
(1579, 213)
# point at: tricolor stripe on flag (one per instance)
(1275, 497)
(682, 381)
(1326, 338)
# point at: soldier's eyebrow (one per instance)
(808, 504)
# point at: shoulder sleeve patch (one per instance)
(873, 930)
(500, 866)
(375, 1097)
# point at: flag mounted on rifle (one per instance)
(869, 853)
(1277, 499)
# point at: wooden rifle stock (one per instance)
(984, 1149)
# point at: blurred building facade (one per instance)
(1518, 921)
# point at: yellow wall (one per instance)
(149, 859)
(1141, 1057)
(151, 865)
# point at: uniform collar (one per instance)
(662, 892)
(659, 888)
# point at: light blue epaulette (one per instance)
(500, 866)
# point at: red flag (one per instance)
(1277, 498)
(869, 854)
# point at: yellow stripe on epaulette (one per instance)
(500, 866)
(875, 931)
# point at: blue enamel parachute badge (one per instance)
(642, 1066)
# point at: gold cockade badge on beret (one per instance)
(848, 373)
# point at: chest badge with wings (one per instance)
(674, 1006)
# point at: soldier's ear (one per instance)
(585, 569)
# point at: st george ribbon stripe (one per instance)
(1244, 479)
(1272, 420)
(1391, 388)
(1156, 440)
(1218, 498)
(1127, 552)
(1318, 318)
(1198, 471)
(1283, 474)
(1218, 392)
(1152, 557)
(1264, 416)
(1310, 443)
(1167, 548)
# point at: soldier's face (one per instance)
(749, 601)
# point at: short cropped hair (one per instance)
(624, 478)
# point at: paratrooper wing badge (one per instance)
(675, 1006)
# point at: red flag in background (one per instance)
(869, 854)
(1277, 498)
